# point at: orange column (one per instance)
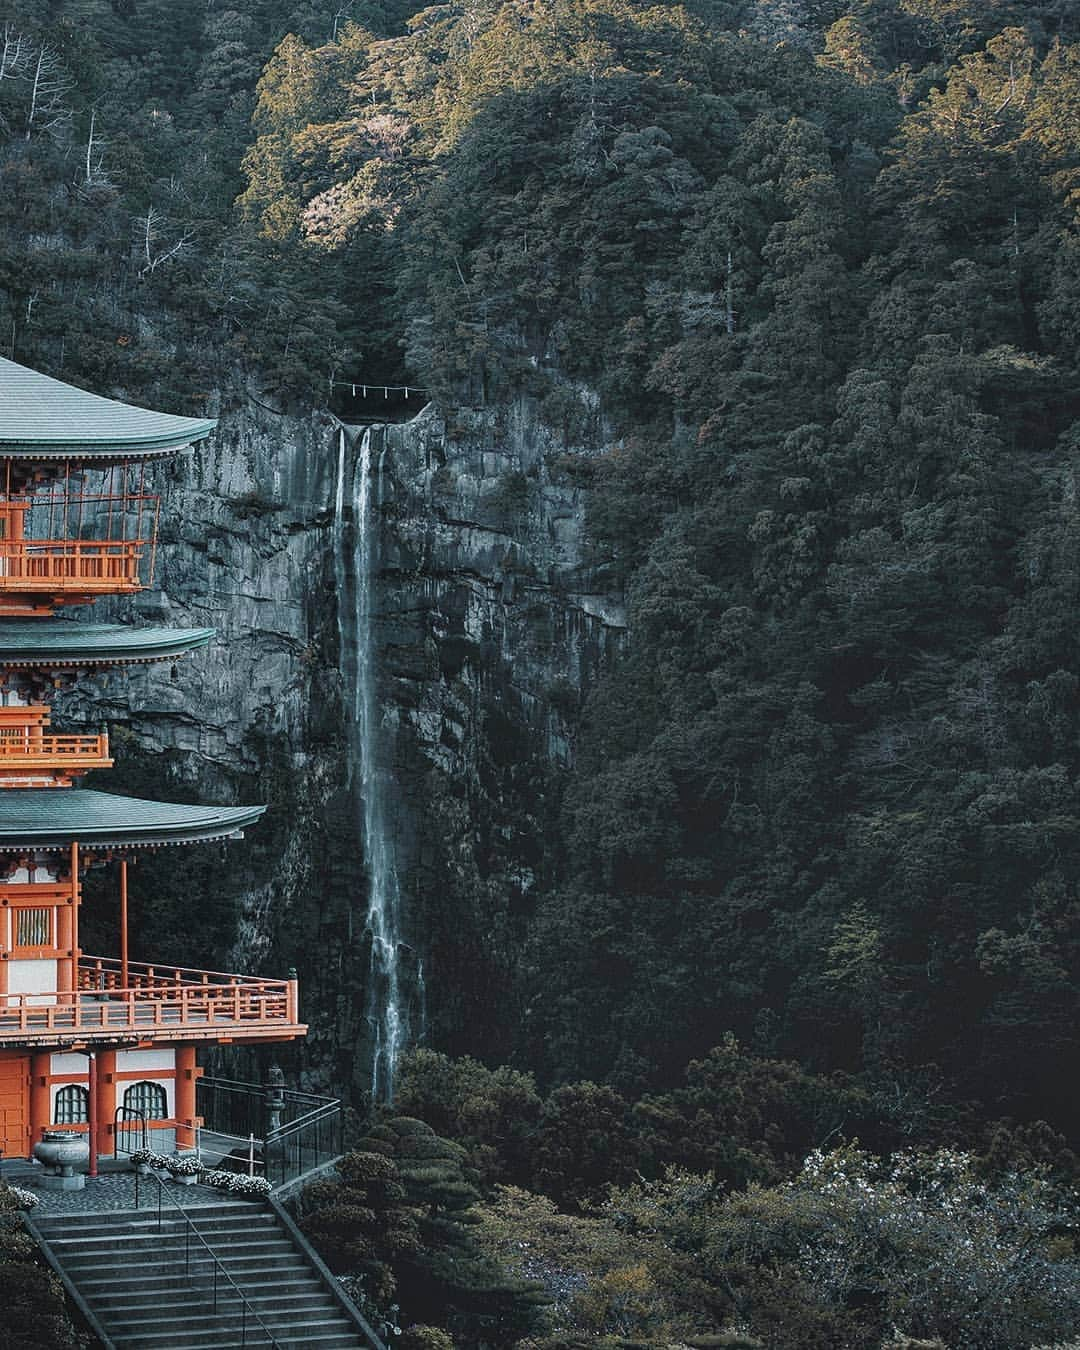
(40, 1103)
(65, 915)
(186, 1074)
(123, 925)
(106, 1100)
(75, 895)
(92, 1113)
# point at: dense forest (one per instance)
(789, 1025)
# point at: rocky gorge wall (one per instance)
(490, 624)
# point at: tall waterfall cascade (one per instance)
(355, 562)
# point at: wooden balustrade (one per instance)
(50, 564)
(31, 743)
(29, 753)
(158, 1003)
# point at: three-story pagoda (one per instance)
(87, 1041)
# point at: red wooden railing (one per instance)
(25, 745)
(30, 744)
(46, 564)
(158, 1002)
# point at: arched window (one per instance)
(72, 1105)
(149, 1098)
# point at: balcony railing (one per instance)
(25, 745)
(157, 1003)
(309, 1133)
(82, 565)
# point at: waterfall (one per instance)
(355, 562)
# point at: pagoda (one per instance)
(90, 1042)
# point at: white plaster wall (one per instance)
(148, 1064)
(33, 977)
(142, 1061)
(68, 1064)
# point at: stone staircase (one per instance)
(150, 1285)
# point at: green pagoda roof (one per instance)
(54, 818)
(43, 418)
(59, 643)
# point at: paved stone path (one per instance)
(110, 1191)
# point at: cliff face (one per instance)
(489, 625)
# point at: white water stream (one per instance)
(355, 562)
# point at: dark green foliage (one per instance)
(492, 1113)
(421, 1337)
(35, 1314)
(122, 265)
(399, 1217)
(816, 267)
(737, 1116)
(855, 1246)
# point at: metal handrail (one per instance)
(217, 1262)
(301, 1122)
(130, 1113)
(290, 1094)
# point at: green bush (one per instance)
(425, 1338)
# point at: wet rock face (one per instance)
(489, 624)
(492, 626)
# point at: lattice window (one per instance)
(149, 1098)
(33, 928)
(72, 1105)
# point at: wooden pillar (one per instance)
(186, 1074)
(64, 940)
(40, 1104)
(123, 925)
(93, 1119)
(75, 953)
(106, 1101)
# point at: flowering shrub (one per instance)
(921, 1238)
(148, 1158)
(184, 1165)
(856, 1247)
(14, 1197)
(236, 1183)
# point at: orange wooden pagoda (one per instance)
(87, 1041)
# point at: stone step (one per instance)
(152, 1286)
(199, 1302)
(140, 1243)
(199, 1314)
(145, 1245)
(231, 1330)
(163, 1286)
(213, 1216)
